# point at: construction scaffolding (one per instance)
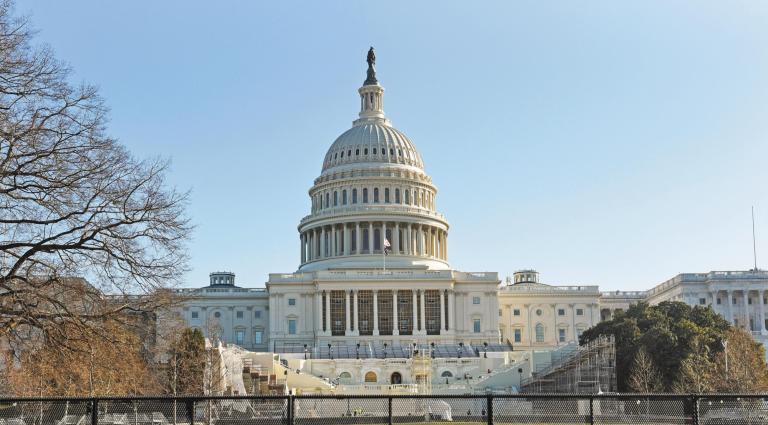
(591, 369)
(421, 362)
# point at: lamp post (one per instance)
(725, 347)
(485, 344)
(385, 350)
(330, 351)
(461, 348)
(357, 351)
(305, 351)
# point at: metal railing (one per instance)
(709, 409)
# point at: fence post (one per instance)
(695, 401)
(591, 410)
(489, 409)
(190, 411)
(389, 402)
(291, 404)
(94, 411)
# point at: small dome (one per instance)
(372, 142)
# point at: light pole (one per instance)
(725, 348)
(305, 351)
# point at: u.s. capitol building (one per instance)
(372, 194)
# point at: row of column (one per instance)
(418, 305)
(361, 238)
(759, 312)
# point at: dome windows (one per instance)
(365, 151)
(357, 151)
(349, 152)
(397, 195)
(327, 199)
(342, 154)
(386, 195)
(374, 151)
(335, 198)
(407, 197)
(344, 197)
(391, 152)
(376, 195)
(354, 196)
(365, 195)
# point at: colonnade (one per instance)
(364, 312)
(358, 238)
(735, 306)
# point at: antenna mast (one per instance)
(754, 244)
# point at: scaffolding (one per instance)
(591, 369)
(421, 363)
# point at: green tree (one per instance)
(186, 364)
(672, 333)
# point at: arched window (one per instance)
(407, 197)
(342, 154)
(349, 152)
(375, 194)
(354, 196)
(365, 151)
(397, 195)
(357, 152)
(344, 197)
(345, 375)
(335, 198)
(365, 195)
(386, 194)
(371, 377)
(336, 155)
(327, 199)
(446, 374)
(396, 378)
(374, 151)
(539, 332)
(391, 152)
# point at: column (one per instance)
(395, 320)
(347, 316)
(358, 247)
(322, 242)
(451, 309)
(347, 240)
(333, 240)
(432, 250)
(375, 312)
(745, 297)
(445, 238)
(396, 239)
(423, 329)
(415, 314)
(327, 312)
(730, 306)
(319, 307)
(370, 237)
(407, 238)
(301, 242)
(356, 310)
(311, 244)
(442, 312)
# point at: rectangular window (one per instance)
(194, 315)
(500, 313)
(476, 325)
(239, 336)
(749, 301)
(561, 335)
(291, 301)
(518, 335)
(718, 301)
(516, 312)
(257, 314)
(561, 312)
(258, 337)
(292, 327)
(475, 300)
(239, 314)
(539, 333)
(579, 311)
(733, 301)
(702, 301)
(579, 332)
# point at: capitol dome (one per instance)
(373, 205)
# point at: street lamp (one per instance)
(357, 352)
(305, 351)
(385, 350)
(330, 351)
(461, 348)
(485, 344)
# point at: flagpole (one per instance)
(384, 258)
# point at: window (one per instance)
(561, 312)
(239, 336)
(538, 312)
(217, 314)
(397, 196)
(500, 313)
(718, 301)
(345, 375)
(386, 195)
(579, 332)
(335, 198)
(702, 301)
(516, 312)
(354, 196)
(539, 332)
(476, 325)
(258, 337)
(475, 300)
(561, 335)
(257, 314)
(344, 197)
(375, 194)
(518, 335)
(734, 300)
(292, 327)
(195, 314)
(749, 301)
(407, 197)
(239, 314)
(370, 377)
(357, 151)
(342, 154)
(349, 152)
(579, 311)
(291, 301)
(365, 151)
(327, 199)
(446, 374)
(374, 151)
(365, 195)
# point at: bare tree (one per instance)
(644, 376)
(73, 202)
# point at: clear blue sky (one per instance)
(604, 142)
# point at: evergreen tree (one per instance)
(186, 364)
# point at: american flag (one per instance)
(387, 246)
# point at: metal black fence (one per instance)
(710, 409)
